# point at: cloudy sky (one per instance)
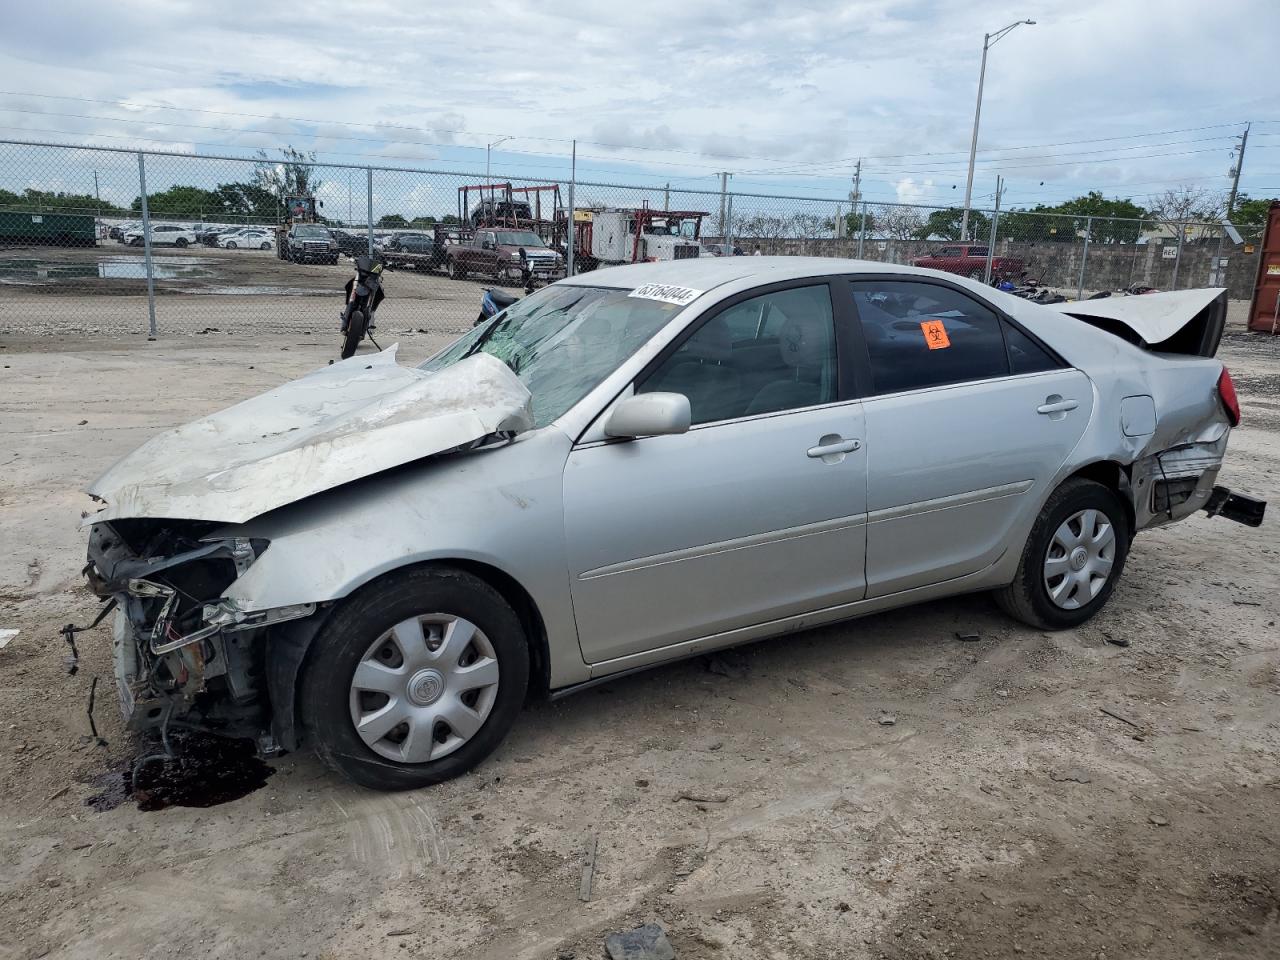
(1125, 96)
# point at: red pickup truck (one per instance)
(970, 260)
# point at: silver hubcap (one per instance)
(1079, 560)
(424, 688)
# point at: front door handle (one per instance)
(1055, 404)
(832, 448)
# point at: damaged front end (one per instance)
(183, 653)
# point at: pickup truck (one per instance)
(504, 254)
(970, 260)
(307, 243)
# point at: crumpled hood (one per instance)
(341, 423)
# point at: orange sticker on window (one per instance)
(935, 334)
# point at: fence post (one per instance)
(570, 224)
(728, 222)
(1084, 257)
(146, 246)
(368, 226)
(862, 229)
(1177, 256)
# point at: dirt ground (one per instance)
(1002, 813)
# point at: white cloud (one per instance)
(910, 191)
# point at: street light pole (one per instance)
(988, 41)
(488, 147)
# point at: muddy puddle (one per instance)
(31, 270)
(204, 771)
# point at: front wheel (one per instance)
(180, 242)
(415, 679)
(264, 246)
(231, 244)
(455, 272)
(353, 334)
(1072, 559)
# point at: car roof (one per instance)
(703, 273)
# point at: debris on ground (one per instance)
(588, 871)
(968, 636)
(1121, 717)
(1158, 820)
(1069, 776)
(727, 665)
(1116, 641)
(6, 635)
(886, 720)
(700, 797)
(643, 943)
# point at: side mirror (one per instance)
(649, 415)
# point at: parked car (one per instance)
(412, 250)
(724, 250)
(354, 244)
(504, 254)
(208, 234)
(970, 260)
(163, 234)
(310, 243)
(248, 239)
(636, 465)
(120, 230)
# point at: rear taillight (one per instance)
(1230, 402)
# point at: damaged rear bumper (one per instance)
(1239, 507)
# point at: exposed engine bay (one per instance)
(183, 655)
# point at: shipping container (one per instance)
(52, 229)
(1264, 312)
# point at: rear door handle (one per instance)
(828, 447)
(1057, 405)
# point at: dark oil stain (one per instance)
(204, 771)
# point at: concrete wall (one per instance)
(1109, 266)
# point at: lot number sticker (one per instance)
(680, 296)
(935, 334)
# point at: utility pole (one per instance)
(570, 224)
(98, 197)
(724, 189)
(1235, 174)
(857, 182)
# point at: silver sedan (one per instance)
(638, 465)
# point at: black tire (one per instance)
(180, 243)
(324, 694)
(354, 334)
(333, 260)
(455, 272)
(1027, 598)
(231, 245)
(264, 245)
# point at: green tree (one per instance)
(1250, 216)
(293, 175)
(853, 222)
(245, 201)
(41, 200)
(423, 222)
(392, 220)
(945, 225)
(182, 203)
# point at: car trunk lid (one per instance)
(1182, 321)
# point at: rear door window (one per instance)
(923, 335)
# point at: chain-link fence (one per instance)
(108, 242)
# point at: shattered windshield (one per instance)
(562, 341)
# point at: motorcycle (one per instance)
(364, 293)
(492, 303)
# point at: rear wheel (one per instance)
(264, 245)
(180, 242)
(231, 245)
(455, 272)
(1072, 559)
(415, 679)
